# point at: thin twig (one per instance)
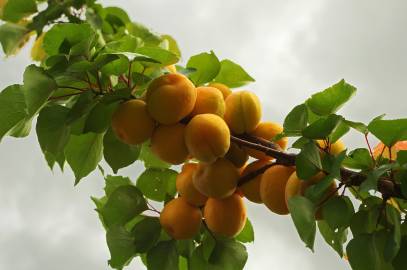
(370, 149)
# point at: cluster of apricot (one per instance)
(192, 125)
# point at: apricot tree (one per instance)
(108, 88)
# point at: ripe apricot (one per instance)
(209, 100)
(335, 149)
(225, 217)
(237, 155)
(180, 219)
(132, 123)
(272, 187)
(251, 189)
(217, 179)
(186, 188)
(243, 111)
(168, 143)
(267, 131)
(223, 88)
(383, 150)
(170, 98)
(207, 137)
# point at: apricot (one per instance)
(186, 188)
(132, 123)
(225, 217)
(168, 143)
(223, 88)
(379, 150)
(267, 131)
(335, 149)
(243, 111)
(37, 52)
(170, 98)
(237, 155)
(296, 186)
(251, 189)
(180, 219)
(209, 100)
(207, 137)
(272, 188)
(217, 179)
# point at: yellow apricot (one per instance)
(335, 149)
(272, 187)
(180, 219)
(382, 150)
(217, 179)
(223, 88)
(267, 131)
(207, 137)
(209, 100)
(237, 155)
(225, 217)
(170, 98)
(132, 123)
(243, 111)
(168, 143)
(186, 188)
(37, 52)
(251, 189)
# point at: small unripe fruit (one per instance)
(168, 143)
(207, 137)
(243, 112)
(225, 217)
(209, 100)
(131, 122)
(180, 219)
(272, 188)
(223, 88)
(217, 179)
(251, 189)
(186, 188)
(170, 98)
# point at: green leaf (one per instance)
(228, 254)
(339, 131)
(389, 131)
(146, 234)
(316, 193)
(163, 256)
(303, 214)
(373, 177)
(365, 252)
(123, 204)
(83, 153)
(140, 31)
(334, 238)
(99, 117)
(402, 157)
(296, 121)
(156, 184)
(13, 37)
(362, 128)
(393, 242)
(113, 182)
(172, 45)
(69, 38)
(15, 10)
(400, 261)
(52, 132)
(308, 161)
(82, 106)
(121, 246)
(208, 245)
(164, 57)
(359, 159)
(323, 127)
(332, 208)
(185, 247)
(207, 67)
(150, 159)
(364, 222)
(118, 154)
(247, 234)
(331, 99)
(232, 74)
(12, 108)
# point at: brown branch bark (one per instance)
(351, 178)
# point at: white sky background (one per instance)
(291, 48)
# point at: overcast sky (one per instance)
(291, 48)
